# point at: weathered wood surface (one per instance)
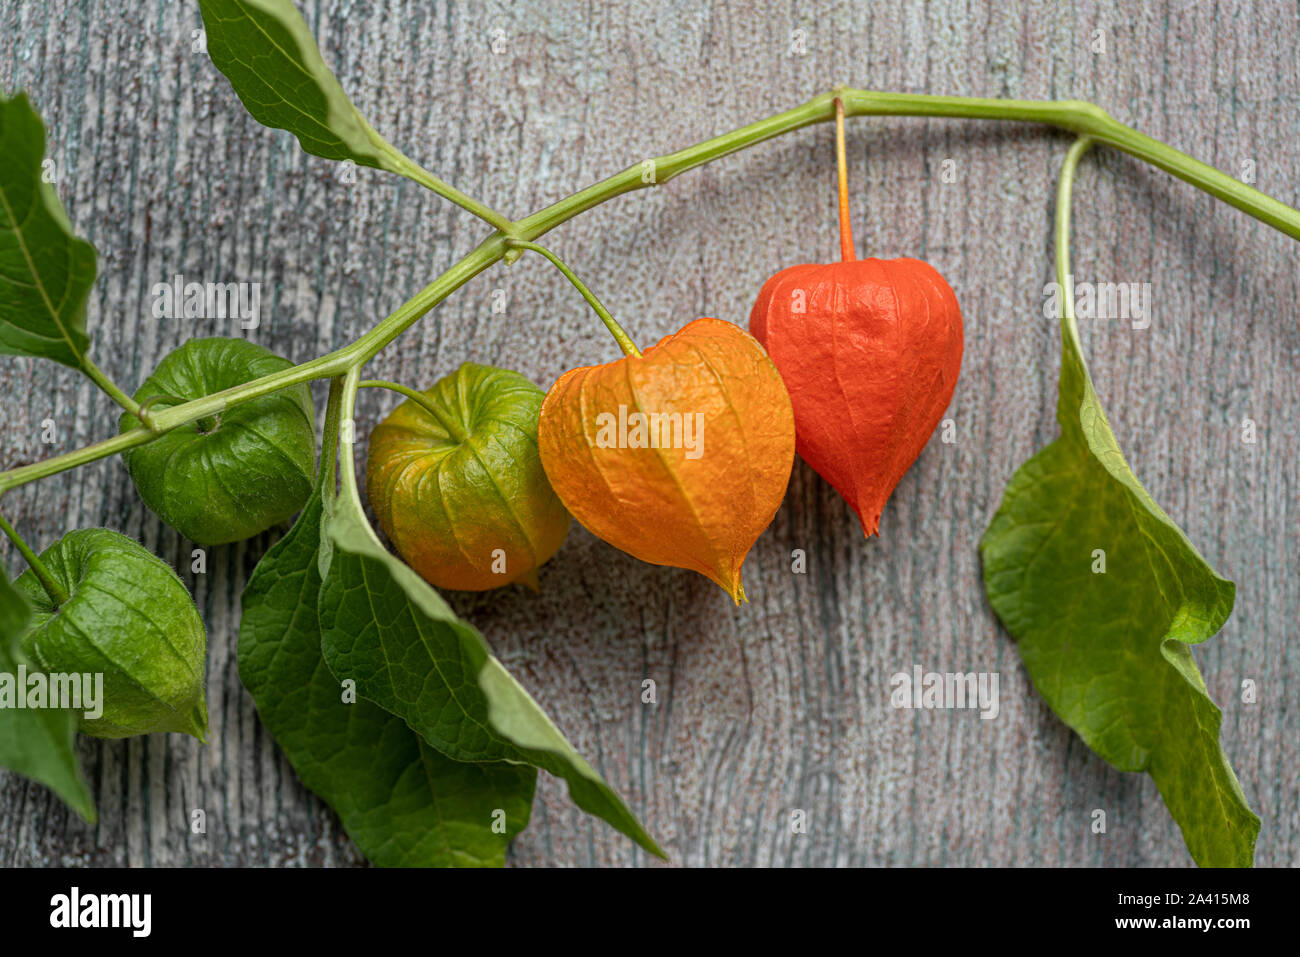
(782, 704)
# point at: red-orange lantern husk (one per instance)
(869, 350)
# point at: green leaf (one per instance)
(40, 743)
(1110, 651)
(403, 803)
(45, 270)
(271, 59)
(384, 627)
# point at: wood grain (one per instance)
(782, 704)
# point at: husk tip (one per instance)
(737, 592)
(870, 523)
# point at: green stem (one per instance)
(1061, 233)
(622, 338)
(336, 363)
(71, 460)
(1075, 116)
(348, 489)
(1071, 115)
(144, 412)
(348, 438)
(451, 428)
(329, 445)
(404, 166)
(1086, 119)
(52, 588)
(96, 375)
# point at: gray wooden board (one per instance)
(781, 704)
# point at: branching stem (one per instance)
(622, 338)
(1075, 116)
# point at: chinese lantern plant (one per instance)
(391, 707)
(456, 481)
(678, 456)
(870, 350)
(104, 604)
(233, 474)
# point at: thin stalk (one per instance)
(622, 338)
(58, 595)
(329, 446)
(847, 253)
(1061, 231)
(1074, 116)
(347, 437)
(404, 166)
(348, 490)
(96, 375)
(452, 428)
(71, 460)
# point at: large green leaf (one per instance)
(37, 743)
(1109, 651)
(271, 59)
(404, 803)
(384, 627)
(45, 270)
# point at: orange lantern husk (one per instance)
(680, 456)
